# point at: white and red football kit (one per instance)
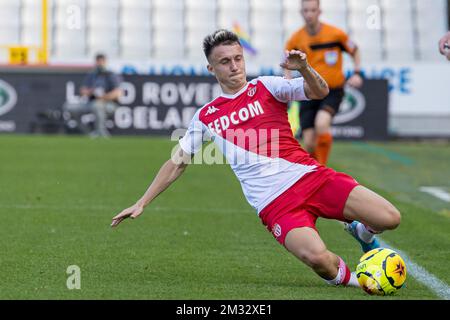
(252, 130)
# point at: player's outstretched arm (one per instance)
(168, 173)
(315, 86)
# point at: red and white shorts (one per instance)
(296, 207)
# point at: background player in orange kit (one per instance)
(324, 45)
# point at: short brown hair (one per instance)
(217, 38)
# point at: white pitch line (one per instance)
(437, 192)
(440, 288)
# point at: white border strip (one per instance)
(437, 192)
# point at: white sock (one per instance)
(364, 234)
(336, 281)
(353, 282)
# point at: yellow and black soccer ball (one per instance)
(381, 271)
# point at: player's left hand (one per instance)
(355, 81)
(131, 212)
(294, 60)
(445, 40)
(447, 51)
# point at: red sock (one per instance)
(345, 272)
(343, 275)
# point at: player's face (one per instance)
(310, 11)
(228, 65)
(100, 62)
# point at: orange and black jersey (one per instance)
(324, 51)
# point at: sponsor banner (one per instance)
(363, 113)
(414, 89)
(32, 102)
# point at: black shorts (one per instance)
(309, 109)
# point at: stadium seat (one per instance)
(291, 5)
(269, 46)
(400, 45)
(336, 11)
(176, 5)
(361, 5)
(131, 17)
(66, 12)
(10, 15)
(169, 44)
(243, 5)
(167, 18)
(194, 42)
(135, 4)
(227, 19)
(432, 18)
(10, 22)
(135, 44)
(336, 18)
(100, 14)
(292, 21)
(397, 5)
(259, 19)
(234, 11)
(201, 4)
(64, 40)
(266, 5)
(370, 42)
(103, 40)
(9, 35)
(201, 18)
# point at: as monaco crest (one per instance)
(251, 92)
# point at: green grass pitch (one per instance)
(198, 240)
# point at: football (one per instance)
(381, 271)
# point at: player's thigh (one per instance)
(371, 209)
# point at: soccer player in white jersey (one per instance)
(286, 186)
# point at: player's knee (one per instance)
(393, 217)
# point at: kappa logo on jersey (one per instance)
(251, 92)
(211, 110)
(276, 230)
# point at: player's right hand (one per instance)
(294, 60)
(131, 212)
